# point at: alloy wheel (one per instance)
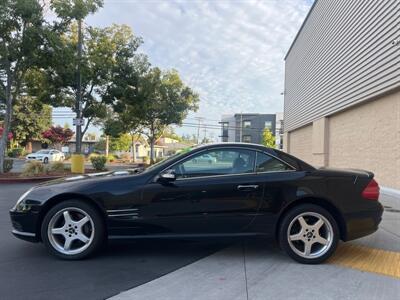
(310, 235)
(71, 231)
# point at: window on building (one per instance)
(246, 124)
(246, 139)
(225, 125)
(268, 124)
(266, 163)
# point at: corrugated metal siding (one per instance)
(343, 55)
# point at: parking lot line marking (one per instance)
(368, 259)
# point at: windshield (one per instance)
(43, 152)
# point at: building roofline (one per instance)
(301, 28)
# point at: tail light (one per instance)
(371, 191)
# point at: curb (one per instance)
(390, 192)
(28, 180)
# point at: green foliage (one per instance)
(268, 139)
(57, 166)
(75, 9)
(121, 143)
(8, 165)
(99, 162)
(30, 119)
(159, 100)
(106, 52)
(16, 152)
(33, 168)
(22, 29)
(110, 158)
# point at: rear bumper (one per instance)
(363, 223)
(24, 225)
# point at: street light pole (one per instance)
(78, 102)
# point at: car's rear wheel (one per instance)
(45, 160)
(72, 230)
(309, 234)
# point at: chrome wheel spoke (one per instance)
(60, 230)
(83, 238)
(303, 223)
(67, 243)
(321, 240)
(296, 237)
(307, 248)
(318, 224)
(82, 221)
(67, 217)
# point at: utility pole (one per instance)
(79, 92)
(198, 128)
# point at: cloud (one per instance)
(231, 52)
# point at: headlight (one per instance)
(19, 205)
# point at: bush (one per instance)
(126, 156)
(93, 155)
(57, 166)
(16, 152)
(8, 165)
(111, 157)
(98, 162)
(33, 168)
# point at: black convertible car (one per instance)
(211, 191)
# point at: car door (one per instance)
(277, 178)
(221, 197)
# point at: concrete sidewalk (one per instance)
(259, 270)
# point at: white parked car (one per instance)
(46, 156)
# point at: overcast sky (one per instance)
(230, 52)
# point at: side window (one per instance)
(216, 162)
(266, 163)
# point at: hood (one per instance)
(91, 176)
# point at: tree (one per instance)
(30, 119)
(21, 35)
(268, 139)
(163, 100)
(121, 143)
(58, 135)
(107, 51)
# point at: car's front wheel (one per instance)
(72, 230)
(309, 234)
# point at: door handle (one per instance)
(247, 187)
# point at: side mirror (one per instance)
(168, 176)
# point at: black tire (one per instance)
(98, 237)
(331, 231)
(45, 160)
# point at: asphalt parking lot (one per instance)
(368, 268)
(27, 271)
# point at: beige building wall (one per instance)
(366, 136)
(300, 143)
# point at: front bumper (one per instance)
(363, 223)
(35, 159)
(25, 225)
